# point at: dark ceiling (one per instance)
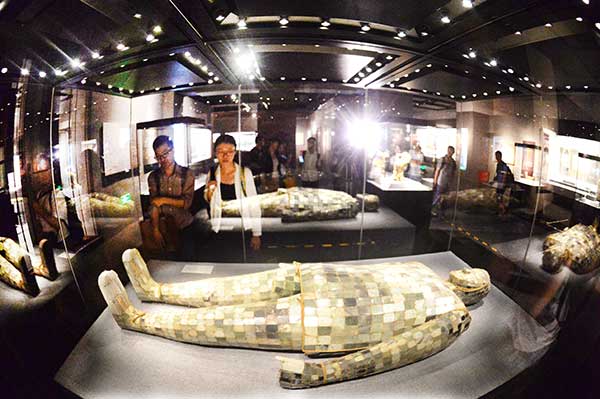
(533, 47)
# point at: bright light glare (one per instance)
(365, 134)
(245, 61)
(467, 3)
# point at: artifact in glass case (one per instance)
(104, 205)
(301, 204)
(379, 317)
(471, 198)
(528, 157)
(371, 202)
(44, 265)
(400, 164)
(16, 268)
(378, 165)
(577, 248)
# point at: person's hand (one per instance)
(157, 202)
(160, 241)
(210, 189)
(255, 243)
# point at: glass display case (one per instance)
(528, 158)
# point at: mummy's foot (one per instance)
(116, 297)
(144, 285)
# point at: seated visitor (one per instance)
(228, 182)
(171, 192)
(377, 318)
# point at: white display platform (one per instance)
(110, 362)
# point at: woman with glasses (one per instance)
(230, 181)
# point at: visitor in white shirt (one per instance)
(311, 164)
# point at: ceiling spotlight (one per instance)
(586, 2)
(365, 27)
(548, 25)
(361, 74)
(538, 85)
(511, 88)
(283, 21)
(76, 63)
(110, 86)
(526, 78)
(472, 54)
(510, 70)
(357, 79)
(83, 81)
(122, 47)
(156, 88)
(282, 78)
(466, 56)
(378, 64)
(59, 72)
(424, 33)
(157, 30)
(597, 25)
(586, 87)
(389, 58)
(518, 33)
(452, 96)
(130, 91)
(210, 81)
(242, 24)
(467, 3)
(485, 93)
(324, 79)
(95, 55)
(216, 78)
(568, 87)
(150, 37)
(42, 74)
(137, 15)
(4, 70)
(369, 70)
(325, 23)
(98, 83)
(494, 63)
(445, 19)
(550, 87)
(579, 19)
(498, 92)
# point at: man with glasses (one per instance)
(171, 193)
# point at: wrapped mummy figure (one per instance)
(577, 248)
(377, 318)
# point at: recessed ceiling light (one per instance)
(472, 54)
(303, 78)
(586, 87)
(498, 92)
(510, 70)
(466, 56)
(368, 69)
(586, 2)
(122, 47)
(417, 70)
(157, 30)
(526, 78)
(365, 27)
(282, 78)
(361, 74)
(474, 95)
(210, 81)
(511, 88)
(392, 85)
(550, 87)
(438, 93)
(98, 83)
(389, 58)
(463, 96)
(95, 55)
(568, 87)
(597, 25)
(325, 23)
(317, 45)
(283, 21)
(378, 64)
(4, 70)
(483, 77)
(130, 91)
(110, 86)
(518, 32)
(538, 85)
(485, 93)
(122, 66)
(445, 19)
(467, 3)
(242, 23)
(494, 63)
(216, 78)
(357, 79)
(150, 37)
(324, 79)
(424, 33)
(579, 19)
(42, 74)
(548, 25)
(138, 16)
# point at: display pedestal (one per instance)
(110, 362)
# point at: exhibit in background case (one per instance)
(528, 159)
(588, 171)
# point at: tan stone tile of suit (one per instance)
(378, 318)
